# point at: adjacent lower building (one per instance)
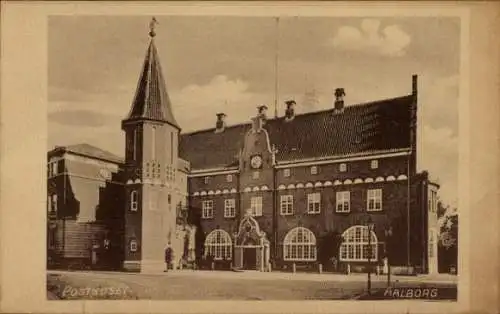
(337, 187)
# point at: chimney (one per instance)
(220, 125)
(339, 100)
(262, 111)
(290, 110)
(414, 84)
(259, 120)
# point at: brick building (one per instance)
(339, 184)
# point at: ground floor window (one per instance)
(356, 246)
(299, 245)
(218, 244)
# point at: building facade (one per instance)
(337, 187)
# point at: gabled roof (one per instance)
(88, 150)
(151, 100)
(364, 128)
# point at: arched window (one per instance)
(299, 245)
(355, 244)
(218, 244)
(133, 200)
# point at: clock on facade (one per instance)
(256, 161)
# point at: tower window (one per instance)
(207, 180)
(255, 175)
(374, 164)
(135, 145)
(133, 201)
(133, 246)
(314, 170)
(286, 173)
(229, 178)
(153, 143)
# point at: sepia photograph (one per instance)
(252, 158)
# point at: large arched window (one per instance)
(218, 244)
(133, 201)
(299, 245)
(355, 244)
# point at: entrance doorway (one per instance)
(250, 258)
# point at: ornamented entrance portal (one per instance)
(251, 249)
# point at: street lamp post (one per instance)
(388, 235)
(369, 251)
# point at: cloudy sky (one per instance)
(227, 64)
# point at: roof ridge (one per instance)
(358, 105)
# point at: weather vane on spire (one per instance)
(152, 25)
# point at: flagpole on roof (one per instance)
(276, 49)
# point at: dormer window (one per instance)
(343, 167)
(207, 180)
(374, 164)
(314, 170)
(229, 178)
(286, 173)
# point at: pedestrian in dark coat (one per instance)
(168, 257)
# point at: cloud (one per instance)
(195, 106)
(389, 41)
(79, 118)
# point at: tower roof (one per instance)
(151, 100)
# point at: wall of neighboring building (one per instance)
(88, 199)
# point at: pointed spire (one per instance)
(151, 100)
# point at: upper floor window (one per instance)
(255, 175)
(229, 208)
(286, 172)
(207, 180)
(207, 209)
(314, 203)
(433, 201)
(53, 171)
(229, 178)
(286, 204)
(374, 164)
(343, 167)
(52, 203)
(374, 200)
(432, 240)
(343, 202)
(133, 201)
(314, 170)
(256, 205)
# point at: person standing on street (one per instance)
(168, 257)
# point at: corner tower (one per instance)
(151, 156)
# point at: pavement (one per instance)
(275, 275)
